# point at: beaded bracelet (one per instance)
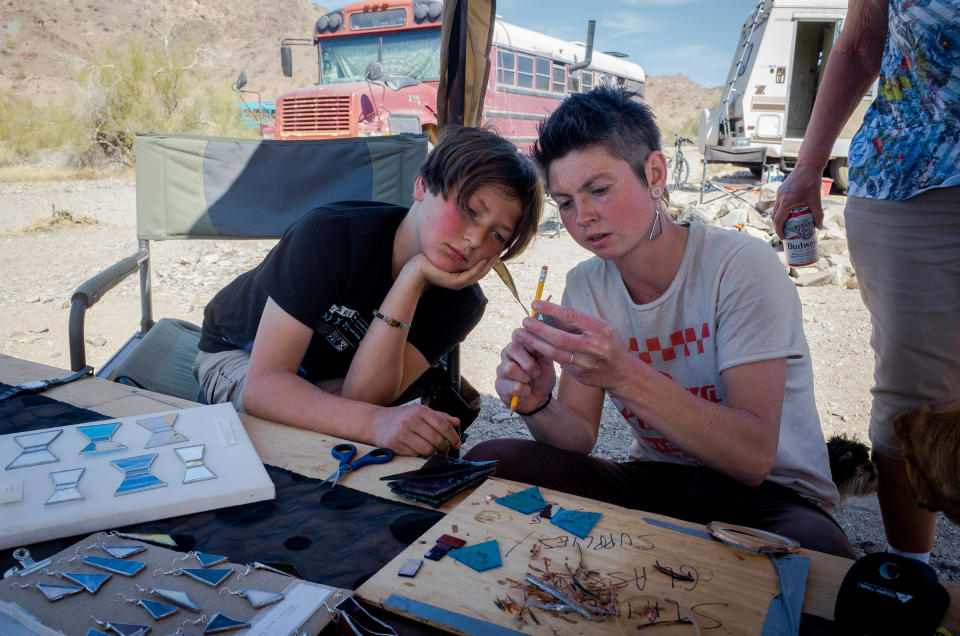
(539, 408)
(393, 322)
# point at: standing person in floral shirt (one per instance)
(902, 219)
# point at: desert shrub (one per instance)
(147, 86)
(26, 129)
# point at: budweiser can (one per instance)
(800, 237)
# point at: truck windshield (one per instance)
(415, 54)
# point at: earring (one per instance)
(657, 228)
(656, 193)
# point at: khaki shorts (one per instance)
(221, 376)
(907, 258)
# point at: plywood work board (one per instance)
(239, 477)
(304, 604)
(730, 594)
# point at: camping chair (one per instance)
(753, 157)
(193, 187)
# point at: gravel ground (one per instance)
(42, 260)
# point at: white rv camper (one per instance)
(773, 80)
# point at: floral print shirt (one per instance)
(910, 138)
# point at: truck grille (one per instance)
(323, 115)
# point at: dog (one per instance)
(931, 446)
(851, 467)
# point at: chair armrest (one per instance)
(89, 293)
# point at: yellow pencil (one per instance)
(533, 314)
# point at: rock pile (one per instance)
(738, 215)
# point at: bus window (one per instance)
(524, 70)
(414, 54)
(505, 65)
(559, 78)
(543, 74)
(573, 81)
(586, 78)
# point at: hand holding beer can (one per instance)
(800, 238)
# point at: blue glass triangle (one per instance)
(99, 436)
(213, 578)
(177, 598)
(577, 522)
(117, 566)
(96, 632)
(123, 551)
(223, 623)
(526, 501)
(127, 629)
(481, 557)
(157, 609)
(206, 560)
(91, 582)
(260, 598)
(55, 592)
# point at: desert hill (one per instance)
(45, 43)
(676, 101)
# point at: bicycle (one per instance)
(679, 166)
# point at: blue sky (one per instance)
(693, 37)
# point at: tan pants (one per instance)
(222, 375)
(907, 258)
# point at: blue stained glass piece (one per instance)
(123, 551)
(55, 592)
(91, 582)
(157, 609)
(99, 436)
(117, 566)
(481, 557)
(222, 623)
(96, 632)
(577, 522)
(213, 578)
(177, 598)
(526, 501)
(206, 560)
(127, 629)
(136, 474)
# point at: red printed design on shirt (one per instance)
(685, 340)
(652, 437)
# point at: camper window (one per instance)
(573, 81)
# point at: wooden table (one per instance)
(308, 453)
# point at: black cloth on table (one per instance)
(338, 537)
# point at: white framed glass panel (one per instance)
(543, 74)
(524, 70)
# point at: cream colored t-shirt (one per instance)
(729, 304)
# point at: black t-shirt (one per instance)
(330, 271)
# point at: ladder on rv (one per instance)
(760, 12)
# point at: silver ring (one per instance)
(571, 357)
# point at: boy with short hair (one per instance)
(358, 299)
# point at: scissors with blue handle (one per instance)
(346, 452)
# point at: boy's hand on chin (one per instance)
(433, 275)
